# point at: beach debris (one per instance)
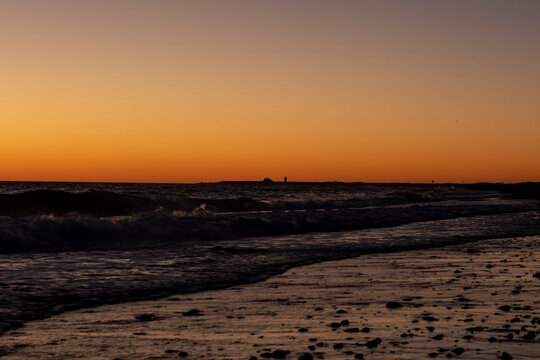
(193, 312)
(146, 317)
(393, 305)
(373, 343)
(475, 329)
(276, 354)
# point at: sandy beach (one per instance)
(474, 301)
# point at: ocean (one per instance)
(65, 246)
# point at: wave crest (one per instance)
(163, 228)
(58, 202)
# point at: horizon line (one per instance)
(269, 182)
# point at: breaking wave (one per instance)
(164, 228)
(103, 202)
(57, 202)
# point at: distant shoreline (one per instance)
(250, 182)
(523, 190)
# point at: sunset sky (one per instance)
(189, 91)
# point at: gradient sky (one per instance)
(188, 91)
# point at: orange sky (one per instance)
(188, 91)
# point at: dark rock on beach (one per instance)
(373, 343)
(276, 354)
(145, 317)
(192, 312)
(393, 305)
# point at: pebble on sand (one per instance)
(192, 312)
(393, 305)
(373, 343)
(145, 317)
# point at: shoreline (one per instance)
(448, 303)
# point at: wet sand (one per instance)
(475, 301)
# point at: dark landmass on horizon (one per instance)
(526, 189)
(483, 185)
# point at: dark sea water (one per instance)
(70, 245)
